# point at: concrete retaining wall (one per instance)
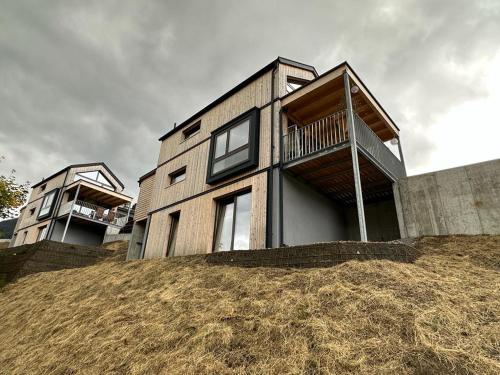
(317, 255)
(463, 200)
(116, 237)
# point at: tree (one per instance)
(12, 194)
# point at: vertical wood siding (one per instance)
(145, 197)
(197, 221)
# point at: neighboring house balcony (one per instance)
(90, 204)
(317, 126)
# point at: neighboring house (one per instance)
(77, 205)
(7, 228)
(286, 157)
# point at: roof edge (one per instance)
(238, 87)
(79, 166)
(146, 175)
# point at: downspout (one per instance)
(270, 177)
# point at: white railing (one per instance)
(94, 212)
(372, 144)
(316, 136)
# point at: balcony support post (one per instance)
(401, 158)
(355, 164)
(70, 213)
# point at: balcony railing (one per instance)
(333, 130)
(381, 154)
(316, 136)
(94, 212)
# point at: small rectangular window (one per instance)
(232, 230)
(42, 233)
(234, 147)
(43, 187)
(178, 176)
(172, 236)
(32, 211)
(192, 130)
(47, 204)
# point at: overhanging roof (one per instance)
(332, 74)
(102, 196)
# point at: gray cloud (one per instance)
(101, 81)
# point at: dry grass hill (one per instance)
(440, 315)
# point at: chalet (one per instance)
(77, 204)
(286, 157)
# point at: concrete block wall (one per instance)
(325, 254)
(462, 200)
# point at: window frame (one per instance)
(52, 205)
(225, 200)
(173, 233)
(42, 231)
(175, 174)
(253, 115)
(295, 80)
(109, 186)
(192, 130)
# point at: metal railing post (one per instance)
(70, 213)
(355, 164)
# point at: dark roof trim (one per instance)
(79, 166)
(144, 176)
(235, 89)
(345, 63)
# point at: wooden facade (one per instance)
(196, 200)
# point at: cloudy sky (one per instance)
(84, 81)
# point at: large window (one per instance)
(233, 223)
(96, 177)
(47, 204)
(234, 147)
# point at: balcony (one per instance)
(331, 133)
(93, 212)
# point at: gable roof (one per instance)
(79, 166)
(271, 65)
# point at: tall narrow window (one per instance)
(47, 204)
(234, 147)
(25, 235)
(233, 223)
(42, 233)
(172, 236)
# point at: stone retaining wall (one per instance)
(47, 256)
(316, 255)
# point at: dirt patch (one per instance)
(439, 315)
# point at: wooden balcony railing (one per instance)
(333, 130)
(94, 212)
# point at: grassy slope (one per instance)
(440, 315)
